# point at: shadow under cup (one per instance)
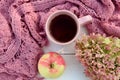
(62, 27)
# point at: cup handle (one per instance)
(85, 19)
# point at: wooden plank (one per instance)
(62, 49)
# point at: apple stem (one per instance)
(51, 65)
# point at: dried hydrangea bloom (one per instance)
(100, 55)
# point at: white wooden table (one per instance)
(74, 70)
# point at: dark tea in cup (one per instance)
(63, 28)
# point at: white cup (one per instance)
(79, 22)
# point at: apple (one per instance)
(51, 65)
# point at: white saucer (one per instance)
(66, 49)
